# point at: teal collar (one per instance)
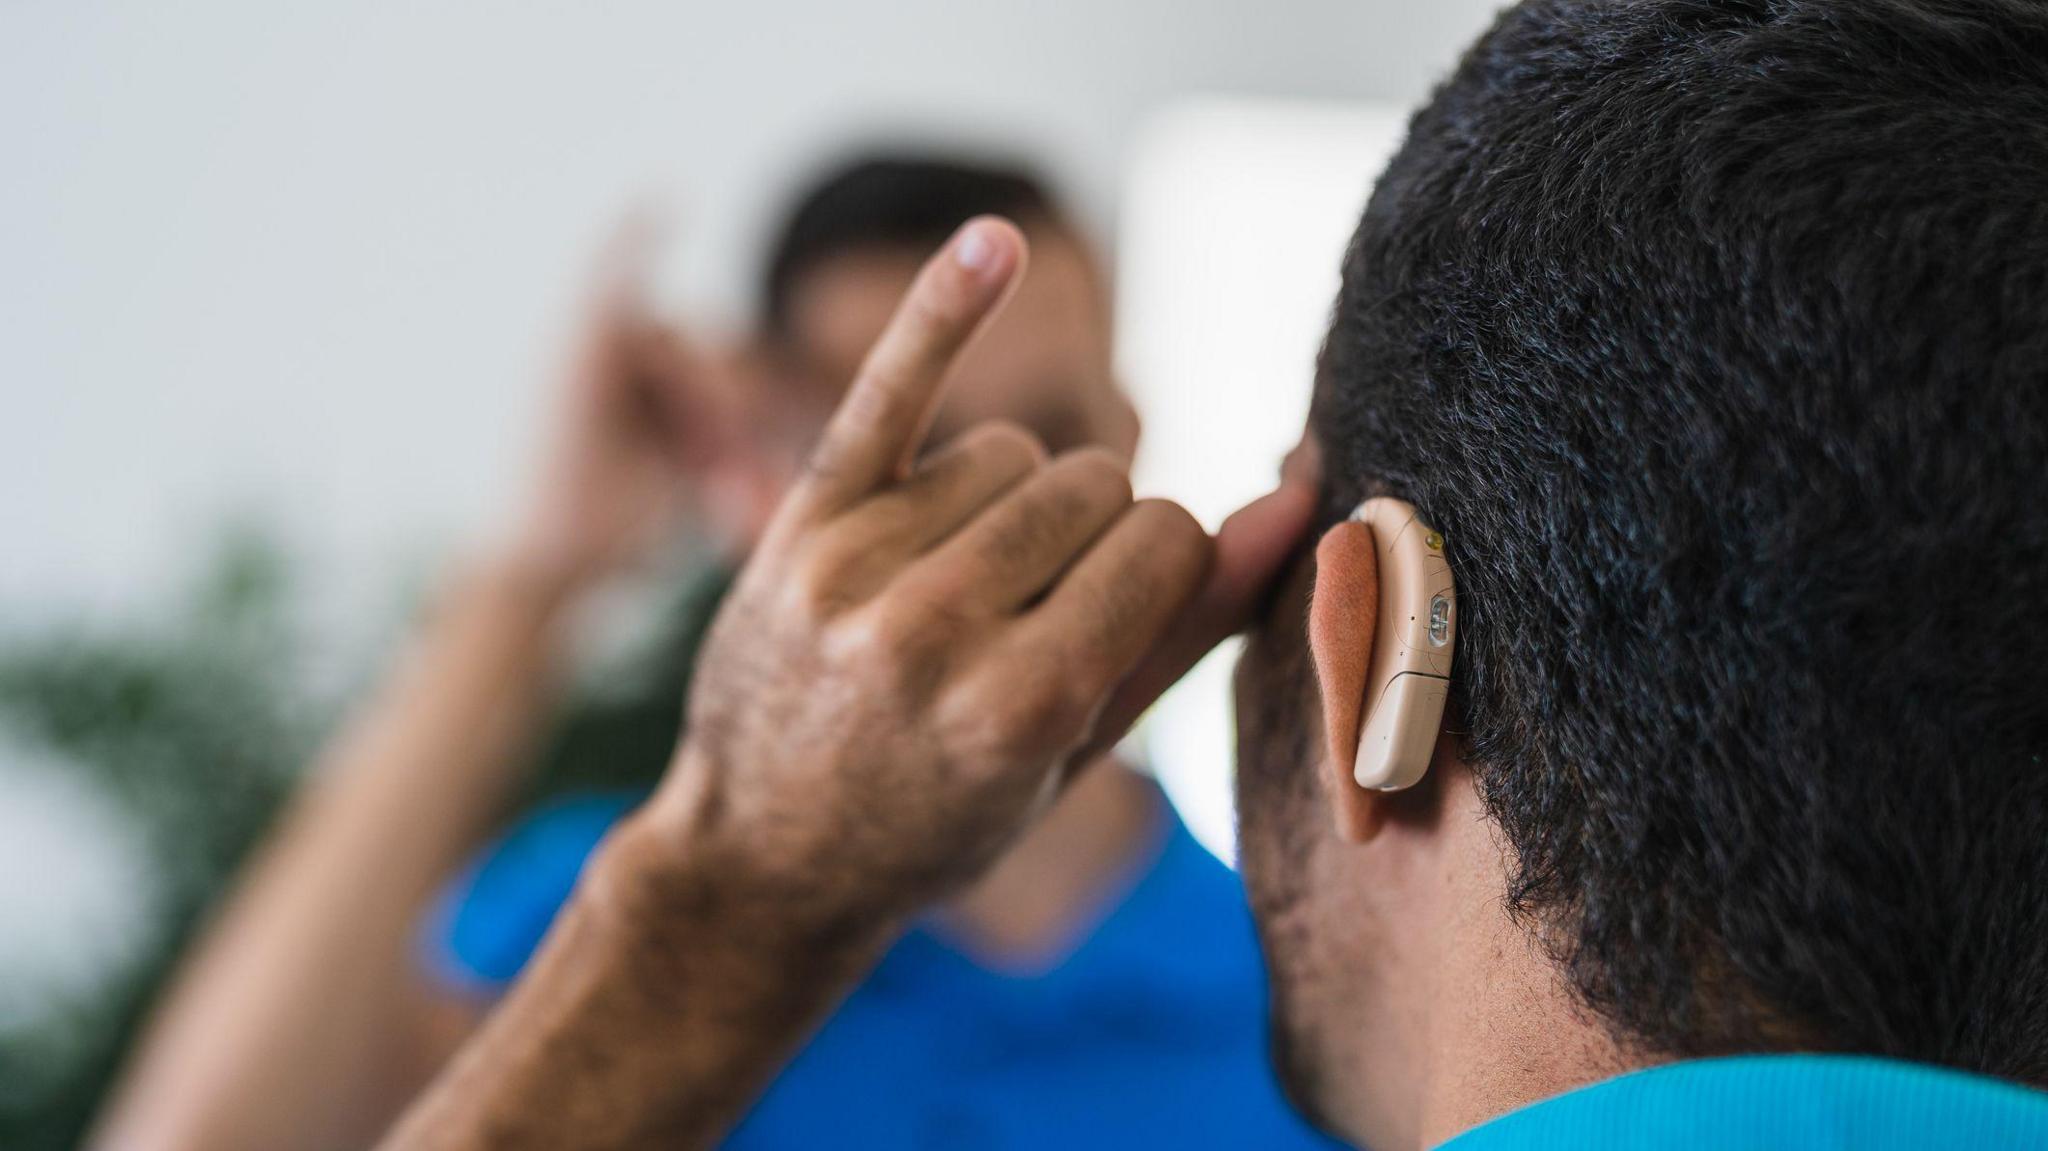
(1752, 1103)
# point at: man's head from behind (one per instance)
(851, 244)
(1714, 338)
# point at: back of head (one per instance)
(1714, 335)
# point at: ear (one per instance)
(1343, 617)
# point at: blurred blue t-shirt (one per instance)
(1149, 1032)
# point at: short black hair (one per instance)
(1714, 336)
(888, 200)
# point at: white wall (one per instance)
(1236, 214)
(309, 261)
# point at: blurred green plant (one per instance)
(195, 726)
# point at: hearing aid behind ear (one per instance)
(1410, 673)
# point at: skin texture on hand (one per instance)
(901, 678)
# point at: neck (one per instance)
(1040, 895)
(1490, 1025)
(1506, 1032)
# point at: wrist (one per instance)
(539, 580)
(677, 871)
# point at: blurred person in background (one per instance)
(1101, 986)
(1710, 339)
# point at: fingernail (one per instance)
(976, 250)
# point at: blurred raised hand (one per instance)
(302, 1019)
(650, 426)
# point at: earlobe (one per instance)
(1342, 622)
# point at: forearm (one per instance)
(655, 1013)
(280, 1031)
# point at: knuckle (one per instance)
(936, 307)
(1112, 606)
(1033, 531)
(1094, 658)
(1008, 446)
(816, 588)
(818, 462)
(1175, 530)
(1081, 691)
(870, 401)
(1033, 714)
(894, 631)
(1170, 519)
(1060, 698)
(873, 402)
(1078, 487)
(909, 631)
(873, 647)
(825, 463)
(1100, 473)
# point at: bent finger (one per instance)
(869, 545)
(1018, 546)
(1117, 602)
(949, 489)
(1252, 549)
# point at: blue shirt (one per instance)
(1149, 1032)
(1772, 1102)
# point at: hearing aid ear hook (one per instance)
(1410, 674)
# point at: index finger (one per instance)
(873, 436)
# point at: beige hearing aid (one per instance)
(1410, 674)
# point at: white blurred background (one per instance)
(1235, 213)
(315, 257)
(308, 266)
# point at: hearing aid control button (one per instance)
(1428, 631)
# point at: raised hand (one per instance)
(913, 660)
(918, 653)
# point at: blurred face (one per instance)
(1044, 362)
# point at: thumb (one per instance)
(1251, 548)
